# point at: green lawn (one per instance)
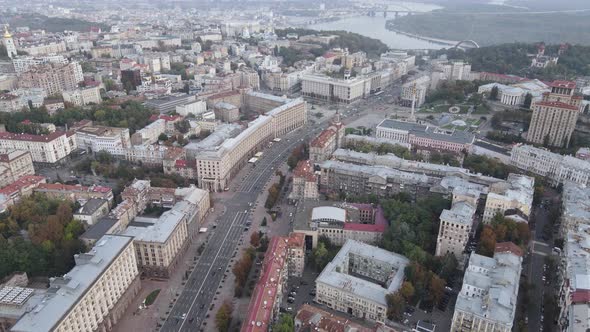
(151, 297)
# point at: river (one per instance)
(374, 27)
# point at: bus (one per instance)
(258, 155)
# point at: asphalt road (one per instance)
(193, 304)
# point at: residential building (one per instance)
(223, 153)
(149, 134)
(415, 91)
(322, 147)
(92, 210)
(557, 168)
(15, 164)
(425, 136)
(226, 112)
(149, 155)
(196, 108)
(338, 177)
(51, 148)
(93, 139)
(357, 280)
(284, 258)
(83, 96)
(93, 295)
(24, 63)
(312, 318)
(456, 226)
(555, 115)
(488, 297)
(158, 241)
(514, 194)
(53, 78)
(10, 103)
(23, 187)
(305, 182)
(44, 48)
(75, 193)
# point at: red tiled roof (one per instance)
(557, 104)
(509, 247)
(563, 84)
(304, 169)
(581, 296)
(22, 182)
(324, 136)
(30, 137)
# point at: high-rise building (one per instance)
(555, 115)
(131, 78)
(53, 78)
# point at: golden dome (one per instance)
(6, 33)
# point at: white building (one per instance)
(93, 295)
(514, 194)
(349, 282)
(455, 228)
(101, 138)
(335, 90)
(24, 63)
(44, 148)
(83, 96)
(197, 107)
(150, 133)
(418, 88)
(557, 168)
(488, 297)
(515, 94)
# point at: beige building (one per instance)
(93, 295)
(10, 103)
(370, 274)
(75, 192)
(514, 194)
(454, 230)
(217, 163)
(15, 164)
(488, 297)
(44, 48)
(322, 147)
(83, 96)
(158, 241)
(53, 78)
(43, 148)
(226, 112)
(305, 182)
(335, 90)
(555, 115)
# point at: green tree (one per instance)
(494, 93)
(285, 324)
(396, 306)
(162, 137)
(320, 255)
(407, 291)
(223, 316)
(528, 99)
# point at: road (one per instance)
(194, 302)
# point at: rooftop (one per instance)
(156, 230)
(66, 291)
(362, 288)
(456, 136)
(328, 213)
(91, 206)
(30, 137)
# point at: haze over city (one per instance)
(254, 166)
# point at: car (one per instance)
(293, 294)
(290, 300)
(449, 289)
(289, 309)
(184, 315)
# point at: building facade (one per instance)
(15, 164)
(53, 78)
(514, 194)
(555, 115)
(49, 148)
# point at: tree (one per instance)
(487, 241)
(494, 93)
(162, 137)
(395, 306)
(285, 324)
(223, 316)
(528, 99)
(182, 126)
(319, 255)
(255, 239)
(407, 291)
(436, 289)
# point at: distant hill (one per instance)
(52, 24)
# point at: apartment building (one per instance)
(94, 138)
(50, 148)
(83, 96)
(53, 78)
(328, 89)
(168, 104)
(312, 318)
(357, 280)
(455, 228)
(158, 241)
(93, 295)
(226, 112)
(221, 156)
(196, 108)
(555, 115)
(557, 168)
(573, 267)
(415, 91)
(44, 48)
(514, 194)
(92, 210)
(455, 70)
(425, 136)
(149, 134)
(149, 155)
(75, 193)
(24, 63)
(338, 177)
(284, 258)
(305, 182)
(11, 103)
(15, 164)
(22, 187)
(488, 297)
